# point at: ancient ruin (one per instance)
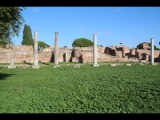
(24, 53)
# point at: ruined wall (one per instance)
(19, 56)
(101, 49)
(47, 55)
(26, 53)
(22, 47)
(20, 53)
(87, 56)
(119, 54)
(110, 51)
(133, 52)
(4, 56)
(78, 54)
(120, 51)
(126, 51)
(64, 55)
(146, 46)
(1, 49)
(145, 54)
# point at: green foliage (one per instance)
(27, 36)
(82, 42)
(140, 46)
(155, 48)
(10, 23)
(42, 45)
(5, 42)
(120, 89)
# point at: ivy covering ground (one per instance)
(104, 89)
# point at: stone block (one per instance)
(11, 66)
(128, 64)
(96, 65)
(153, 64)
(76, 66)
(35, 66)
(143, 61)
(113, 64)
(55, 66)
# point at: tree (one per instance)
(82, 42)
(10, 23)
(121, 43)
(27, 36)
(42, 45)
(155, 47)
(4, 42)
(141, 45)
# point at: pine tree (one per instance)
(82, 42)
(27, 36)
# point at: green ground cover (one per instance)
(103, 89)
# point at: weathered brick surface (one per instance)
(19, 56)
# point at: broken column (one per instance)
(35, 50)
(56, 50)
(95, 51)
(11, 63)
(152, 51)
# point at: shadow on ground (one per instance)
(45, 63)
(28, 63)
(3, 76)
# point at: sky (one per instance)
(113, 25)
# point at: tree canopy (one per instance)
(27, 36)
(141, 44)
(10, 23)
(82, 42)
(42, 45)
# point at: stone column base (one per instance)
(76, 66)
(11, 66)
(55, 66)
(35, 66)
(96, 65)
(128, 64)
(112, 64)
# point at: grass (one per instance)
(103, 89)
